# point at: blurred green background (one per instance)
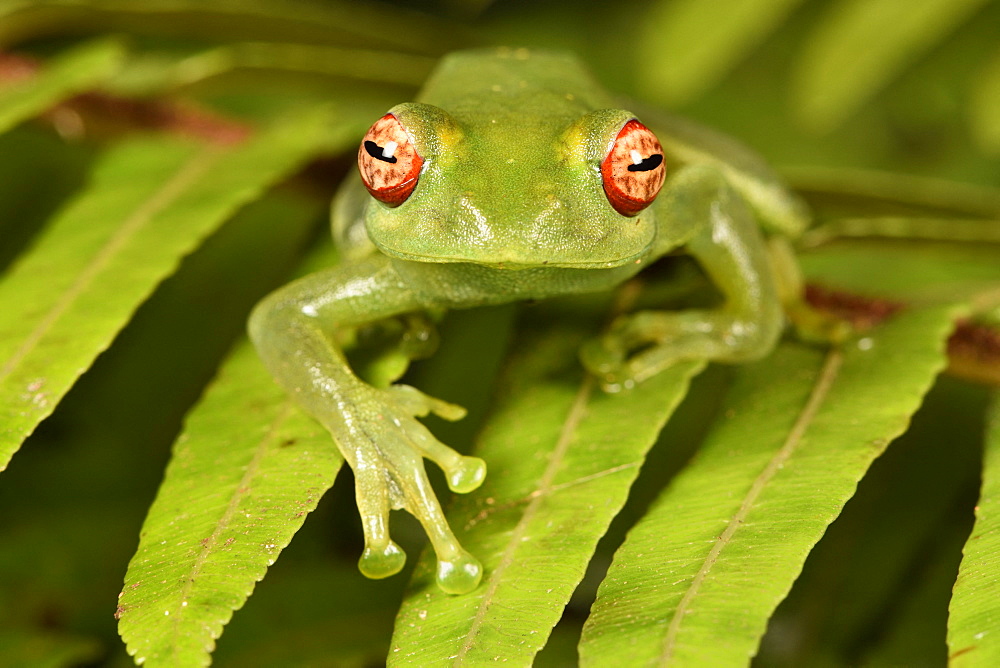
(824, 89)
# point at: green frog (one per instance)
(516, 176)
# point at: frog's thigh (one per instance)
(727, 242)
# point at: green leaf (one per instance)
(562, 455)
(974, 613)
(73, 72)
(908, 272)
(984, 109)
(969, 230)
(272, 20)
(884, 563)
(687, 46)
(231, 501)
(861, 45)
(867, 193)
(151, 201)
(698, 577)
(76, 495)
(365, 64)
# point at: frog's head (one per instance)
(563, 191)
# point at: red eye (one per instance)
(633, 172)
(389, 162)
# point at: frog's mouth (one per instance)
(517, 261)
(580, 238)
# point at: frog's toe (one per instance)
(382, 556)
(381, 561)
(814, 326)
(389, 473)
(458, 571)
(420, 337)
(415, 402)
(606, 359)
(460, 574)
(465, 475)
(602, 356)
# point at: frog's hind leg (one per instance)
(720, 232)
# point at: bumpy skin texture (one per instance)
(510, 204)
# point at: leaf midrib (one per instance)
(828, 374)
(162, 198)
(573, 418)
(208, 544)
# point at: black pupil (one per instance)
(376, 151)
(647, 164)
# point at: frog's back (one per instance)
(554, 88)
(479, 86)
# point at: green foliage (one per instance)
(702, 40)
(74, 72)
(231, 501)
(985, 112)
(798, 431)
(860, 44)
(140, 221)
(974, 605)
(150, 201)
(568, 453)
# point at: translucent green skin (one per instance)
(510, 206)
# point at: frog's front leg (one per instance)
(700, 210)
(374, 428)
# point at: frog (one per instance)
(515, 176)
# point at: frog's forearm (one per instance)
(292, 328)
(374, 429)
(348, 294)
(728, 244)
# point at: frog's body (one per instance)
(516, 177)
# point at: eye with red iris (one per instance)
(633, 172)
(389, 162)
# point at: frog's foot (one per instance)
(420, 337)
(384, 349)
(604, 357)
(643, 344)
(825, 328)
(389, 473)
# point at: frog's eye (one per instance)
(633, 172)
(389, 162)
